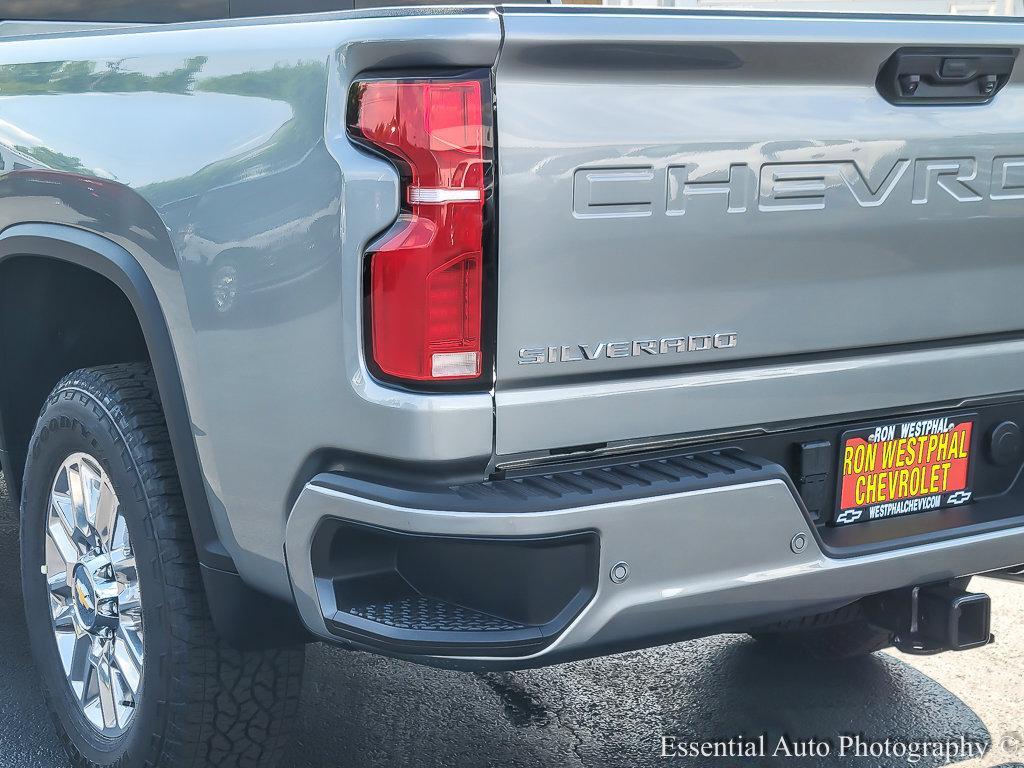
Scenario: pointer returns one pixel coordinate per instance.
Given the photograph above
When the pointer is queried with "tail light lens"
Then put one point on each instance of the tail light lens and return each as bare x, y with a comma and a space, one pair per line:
426, 274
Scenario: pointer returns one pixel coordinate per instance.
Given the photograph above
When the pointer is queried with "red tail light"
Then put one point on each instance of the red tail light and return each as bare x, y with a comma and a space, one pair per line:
426, 275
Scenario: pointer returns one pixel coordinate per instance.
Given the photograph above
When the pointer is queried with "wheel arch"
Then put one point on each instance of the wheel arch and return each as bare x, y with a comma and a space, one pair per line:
110, 261
244, 617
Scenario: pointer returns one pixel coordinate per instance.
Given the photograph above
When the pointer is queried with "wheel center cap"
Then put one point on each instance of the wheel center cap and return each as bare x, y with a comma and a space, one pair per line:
85, 598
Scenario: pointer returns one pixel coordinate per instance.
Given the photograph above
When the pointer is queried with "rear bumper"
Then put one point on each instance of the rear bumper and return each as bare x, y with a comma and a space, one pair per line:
708, 540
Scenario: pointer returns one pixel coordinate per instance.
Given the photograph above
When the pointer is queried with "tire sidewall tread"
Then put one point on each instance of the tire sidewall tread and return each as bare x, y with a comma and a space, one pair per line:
202, 702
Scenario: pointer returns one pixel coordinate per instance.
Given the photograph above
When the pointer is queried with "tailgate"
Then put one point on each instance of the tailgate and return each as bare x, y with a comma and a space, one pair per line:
690, 203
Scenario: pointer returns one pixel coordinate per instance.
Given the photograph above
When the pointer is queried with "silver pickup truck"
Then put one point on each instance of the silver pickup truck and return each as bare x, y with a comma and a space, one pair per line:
494, 337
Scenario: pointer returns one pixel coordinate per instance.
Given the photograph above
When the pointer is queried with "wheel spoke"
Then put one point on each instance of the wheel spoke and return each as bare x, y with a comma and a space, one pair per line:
106, 517
61, 503
128, 662
76, 490
123, 699
125, 569
80, 658
61, 555
57, 580
128, 655
99, 660
63, 614
63, 527
94, 711
76, 651
91, 486
130, 601
120, 541
87, 695
66, 642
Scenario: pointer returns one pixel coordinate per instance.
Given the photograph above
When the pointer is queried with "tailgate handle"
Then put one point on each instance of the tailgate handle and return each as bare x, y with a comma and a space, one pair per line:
945, 76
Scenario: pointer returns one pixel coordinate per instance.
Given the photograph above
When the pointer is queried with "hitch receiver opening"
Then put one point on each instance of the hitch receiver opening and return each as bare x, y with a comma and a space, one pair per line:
955, 620
934, 618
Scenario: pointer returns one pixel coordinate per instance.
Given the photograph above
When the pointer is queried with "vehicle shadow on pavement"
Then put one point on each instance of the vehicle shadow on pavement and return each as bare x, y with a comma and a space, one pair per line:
362, 710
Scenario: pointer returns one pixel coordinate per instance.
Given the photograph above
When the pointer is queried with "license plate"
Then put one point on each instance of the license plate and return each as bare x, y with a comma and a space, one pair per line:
904, 467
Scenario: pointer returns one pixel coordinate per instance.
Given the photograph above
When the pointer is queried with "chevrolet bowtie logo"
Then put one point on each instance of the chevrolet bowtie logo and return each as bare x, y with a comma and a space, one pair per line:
82, 594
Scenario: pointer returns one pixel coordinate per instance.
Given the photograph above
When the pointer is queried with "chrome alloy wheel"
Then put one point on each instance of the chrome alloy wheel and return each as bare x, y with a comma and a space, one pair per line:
95, 602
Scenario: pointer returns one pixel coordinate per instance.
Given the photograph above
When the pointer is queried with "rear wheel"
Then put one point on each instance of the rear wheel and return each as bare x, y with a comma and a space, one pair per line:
133, 671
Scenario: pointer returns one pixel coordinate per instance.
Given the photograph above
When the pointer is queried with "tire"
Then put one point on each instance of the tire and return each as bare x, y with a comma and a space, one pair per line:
839, 634
195, 701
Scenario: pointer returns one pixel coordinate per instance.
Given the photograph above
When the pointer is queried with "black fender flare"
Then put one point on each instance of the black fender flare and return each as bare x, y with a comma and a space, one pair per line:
244, 617
110, 260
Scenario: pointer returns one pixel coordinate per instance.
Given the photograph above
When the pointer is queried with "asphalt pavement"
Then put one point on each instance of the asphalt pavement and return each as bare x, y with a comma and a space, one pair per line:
360, 710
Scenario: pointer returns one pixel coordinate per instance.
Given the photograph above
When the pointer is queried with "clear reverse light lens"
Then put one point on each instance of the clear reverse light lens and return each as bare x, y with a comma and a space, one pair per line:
450, 364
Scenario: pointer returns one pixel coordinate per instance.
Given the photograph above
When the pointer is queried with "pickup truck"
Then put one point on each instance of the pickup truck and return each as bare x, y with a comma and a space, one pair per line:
493, 337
